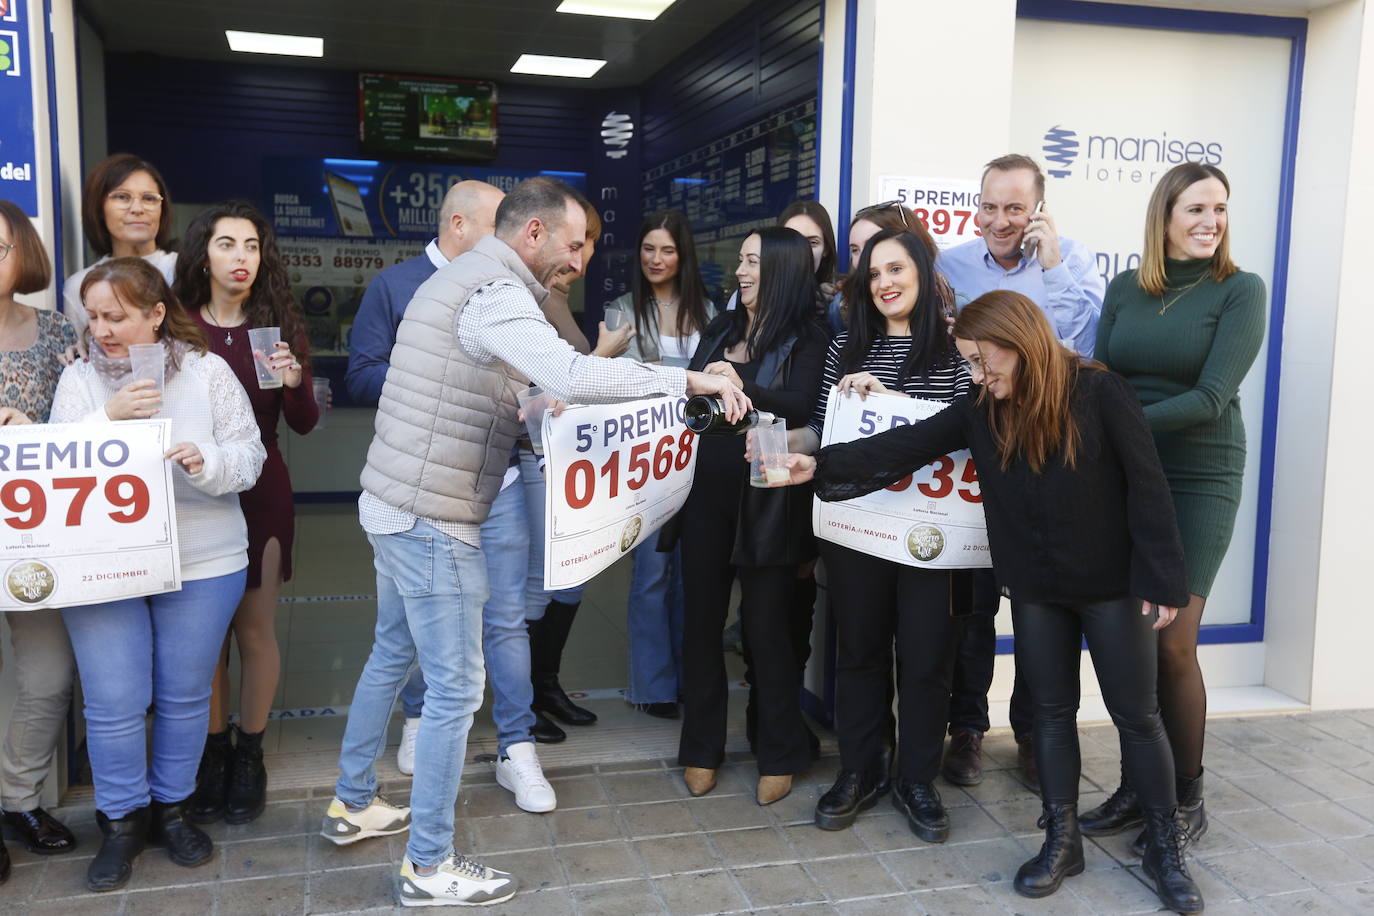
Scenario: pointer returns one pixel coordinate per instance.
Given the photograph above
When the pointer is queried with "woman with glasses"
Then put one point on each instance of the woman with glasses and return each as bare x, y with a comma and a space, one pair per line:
32, 342
1084, 540
126, 212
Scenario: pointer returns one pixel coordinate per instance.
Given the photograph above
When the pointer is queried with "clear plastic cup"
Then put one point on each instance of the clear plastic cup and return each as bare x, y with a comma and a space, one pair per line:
769, 466
148, 361
321, 386
534, 401
616, 319
263, 341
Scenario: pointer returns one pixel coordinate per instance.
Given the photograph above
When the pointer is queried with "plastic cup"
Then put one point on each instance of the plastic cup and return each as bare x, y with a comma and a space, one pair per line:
148, 361
534, 401
264, 343
616, 319
769, 467
321, 386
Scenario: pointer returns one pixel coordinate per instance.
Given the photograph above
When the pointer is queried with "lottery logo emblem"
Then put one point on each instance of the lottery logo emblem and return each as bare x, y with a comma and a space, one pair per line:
30, 581
631, 533
925, 542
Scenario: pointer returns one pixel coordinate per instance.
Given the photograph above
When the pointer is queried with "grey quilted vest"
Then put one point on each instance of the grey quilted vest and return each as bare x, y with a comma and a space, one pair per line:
446, 423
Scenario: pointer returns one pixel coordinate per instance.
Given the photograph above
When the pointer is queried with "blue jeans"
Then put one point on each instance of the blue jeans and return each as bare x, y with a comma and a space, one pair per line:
505, 641
536, 597
158, 651
430, 592
654, 615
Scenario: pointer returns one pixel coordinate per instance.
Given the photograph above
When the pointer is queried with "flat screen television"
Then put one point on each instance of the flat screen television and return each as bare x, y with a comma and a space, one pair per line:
430, 117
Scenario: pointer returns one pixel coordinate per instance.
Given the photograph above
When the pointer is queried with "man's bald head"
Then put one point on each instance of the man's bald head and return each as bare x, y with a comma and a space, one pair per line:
467, 214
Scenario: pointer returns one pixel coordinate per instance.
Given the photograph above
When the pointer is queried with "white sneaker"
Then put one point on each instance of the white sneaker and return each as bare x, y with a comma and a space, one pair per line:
405, 754
519, 771
459, 881
379, 818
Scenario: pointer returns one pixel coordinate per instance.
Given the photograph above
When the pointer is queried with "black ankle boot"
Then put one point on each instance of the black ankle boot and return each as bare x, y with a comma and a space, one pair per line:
1192, 816
925, 813
1119, 812
121, 841
548, 636
1163, 863
852, 792
1060, 857
247, 780
545, 732
186, 843
207, 803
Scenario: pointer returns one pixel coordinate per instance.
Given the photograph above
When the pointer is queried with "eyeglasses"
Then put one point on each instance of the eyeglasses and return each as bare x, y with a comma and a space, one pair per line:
124, 200
5, 249
874, 208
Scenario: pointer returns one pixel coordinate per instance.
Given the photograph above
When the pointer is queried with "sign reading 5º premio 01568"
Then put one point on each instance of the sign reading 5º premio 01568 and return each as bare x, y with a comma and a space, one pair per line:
86, 514
931, 518
616, 473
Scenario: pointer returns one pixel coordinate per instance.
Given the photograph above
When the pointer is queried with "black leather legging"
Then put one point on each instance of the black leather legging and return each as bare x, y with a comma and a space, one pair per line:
1122, 645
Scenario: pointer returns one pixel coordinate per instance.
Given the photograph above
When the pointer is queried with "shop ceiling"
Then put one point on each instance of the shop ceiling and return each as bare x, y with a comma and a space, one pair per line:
471, 38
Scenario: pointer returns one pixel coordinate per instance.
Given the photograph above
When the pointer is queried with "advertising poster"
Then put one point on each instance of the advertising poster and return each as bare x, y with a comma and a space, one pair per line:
86, 514
1104, 145
616, 473
932, 518
947, 207
18, 181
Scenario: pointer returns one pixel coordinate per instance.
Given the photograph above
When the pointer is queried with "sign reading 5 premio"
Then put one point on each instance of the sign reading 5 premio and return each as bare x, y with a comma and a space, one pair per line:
931, 518
86, 514
616, 473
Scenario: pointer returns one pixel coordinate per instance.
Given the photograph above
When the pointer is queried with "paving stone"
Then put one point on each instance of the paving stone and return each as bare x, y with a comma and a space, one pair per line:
1306, 903
258, 858
1223, 795
654, 785
534, 870
485, 801
1063, 901
1358, 897
595, 862
700, 893
1264, 827
353, 890
60, 877
1276, 789
852, 876
778, 885
676, 854
623, 898
1325, 865
1220, 759
324, 855
503, 834
1329, 820
811, 842
991, 861
543, 902
657, 819
1256, 873
24, 881
971, 823
928, 868
752, 846
1221, 839
1116, 890
90, 905
579, 792
267, 896
275, 820
959, 901
880, 906
584, 825
199, 898
997, 785
798, 807
154, 869
1240, 733
729, 812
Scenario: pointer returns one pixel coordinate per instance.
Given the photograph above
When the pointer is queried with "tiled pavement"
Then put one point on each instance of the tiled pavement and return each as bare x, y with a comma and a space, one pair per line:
1291, 800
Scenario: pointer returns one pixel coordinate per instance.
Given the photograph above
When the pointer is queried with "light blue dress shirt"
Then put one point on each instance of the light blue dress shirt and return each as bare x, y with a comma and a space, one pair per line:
1070, 293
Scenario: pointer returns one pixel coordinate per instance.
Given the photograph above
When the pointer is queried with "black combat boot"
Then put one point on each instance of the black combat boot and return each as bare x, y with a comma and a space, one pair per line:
1119, 812
168, 826
247, 780
1163, 862
208, 802
1060, 857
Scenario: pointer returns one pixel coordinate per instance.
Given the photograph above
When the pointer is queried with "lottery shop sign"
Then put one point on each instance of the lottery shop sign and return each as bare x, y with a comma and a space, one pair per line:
86, 514
616, 473
931, 518
947, 207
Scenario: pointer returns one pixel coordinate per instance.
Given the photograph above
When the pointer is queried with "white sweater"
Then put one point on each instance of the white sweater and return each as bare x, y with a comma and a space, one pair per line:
207, 406
164, 261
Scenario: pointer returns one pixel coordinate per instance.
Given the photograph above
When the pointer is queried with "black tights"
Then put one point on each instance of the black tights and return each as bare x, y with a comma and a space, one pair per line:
1123, 648
1182, 695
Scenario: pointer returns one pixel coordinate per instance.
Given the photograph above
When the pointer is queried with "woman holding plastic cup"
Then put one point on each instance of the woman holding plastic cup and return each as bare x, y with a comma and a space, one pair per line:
233, 280
897, 343
159, 651
774, 349
668, 308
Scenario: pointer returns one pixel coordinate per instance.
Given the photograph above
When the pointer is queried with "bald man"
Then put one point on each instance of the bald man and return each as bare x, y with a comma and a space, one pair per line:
468, 214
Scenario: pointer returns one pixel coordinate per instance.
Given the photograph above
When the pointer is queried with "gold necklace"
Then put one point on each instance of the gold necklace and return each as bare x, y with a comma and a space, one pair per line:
1185, 291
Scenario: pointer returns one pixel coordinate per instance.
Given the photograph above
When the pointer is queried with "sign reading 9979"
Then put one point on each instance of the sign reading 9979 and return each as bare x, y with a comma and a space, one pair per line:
932, 518
86, 514
616, 473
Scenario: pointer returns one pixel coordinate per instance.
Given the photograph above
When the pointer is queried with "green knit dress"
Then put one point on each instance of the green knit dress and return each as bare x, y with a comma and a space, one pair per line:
1186, 365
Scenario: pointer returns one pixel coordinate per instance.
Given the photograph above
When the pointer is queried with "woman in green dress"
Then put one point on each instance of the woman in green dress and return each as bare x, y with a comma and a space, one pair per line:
1184, 330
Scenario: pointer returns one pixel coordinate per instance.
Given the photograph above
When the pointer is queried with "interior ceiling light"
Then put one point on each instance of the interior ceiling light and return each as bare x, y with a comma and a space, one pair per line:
267, 43
543, 65
619, 9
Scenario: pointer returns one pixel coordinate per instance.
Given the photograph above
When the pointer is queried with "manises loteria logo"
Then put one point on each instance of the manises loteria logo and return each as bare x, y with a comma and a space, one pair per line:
1121, 160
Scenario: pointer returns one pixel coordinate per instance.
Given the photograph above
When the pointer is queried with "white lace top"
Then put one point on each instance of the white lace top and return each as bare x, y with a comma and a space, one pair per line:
207, 406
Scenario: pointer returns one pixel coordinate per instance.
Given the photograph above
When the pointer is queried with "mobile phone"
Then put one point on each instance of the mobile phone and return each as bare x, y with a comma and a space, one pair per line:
1028, 248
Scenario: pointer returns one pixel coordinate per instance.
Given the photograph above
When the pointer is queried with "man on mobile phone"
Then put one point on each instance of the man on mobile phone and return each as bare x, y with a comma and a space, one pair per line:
1021, 250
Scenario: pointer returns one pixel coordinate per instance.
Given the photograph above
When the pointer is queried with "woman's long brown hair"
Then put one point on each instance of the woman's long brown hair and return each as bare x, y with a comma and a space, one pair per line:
139, 284
1036, 422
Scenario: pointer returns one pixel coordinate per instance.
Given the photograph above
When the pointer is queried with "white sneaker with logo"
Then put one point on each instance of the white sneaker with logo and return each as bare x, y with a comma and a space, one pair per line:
379, 818
405, 754
458, 881
520, 772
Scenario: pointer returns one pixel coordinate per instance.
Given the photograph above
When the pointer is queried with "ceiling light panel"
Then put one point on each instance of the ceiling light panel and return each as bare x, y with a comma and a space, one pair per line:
267, 43
543, 65
618, 9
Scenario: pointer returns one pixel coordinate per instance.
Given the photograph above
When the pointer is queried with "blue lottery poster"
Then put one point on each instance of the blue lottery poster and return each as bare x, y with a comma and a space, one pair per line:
18, 177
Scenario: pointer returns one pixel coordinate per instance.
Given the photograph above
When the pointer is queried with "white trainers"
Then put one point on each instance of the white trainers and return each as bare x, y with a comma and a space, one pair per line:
519, 771
459, 881
405, 754
379, 818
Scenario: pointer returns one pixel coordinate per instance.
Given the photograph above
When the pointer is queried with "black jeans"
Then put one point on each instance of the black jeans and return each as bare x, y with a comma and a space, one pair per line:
876, 600
767, 607
973, 662
1123, 647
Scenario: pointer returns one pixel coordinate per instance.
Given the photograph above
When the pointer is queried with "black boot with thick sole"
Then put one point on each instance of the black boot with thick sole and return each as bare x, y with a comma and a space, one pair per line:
1121, 811
208, 802
1060, 857
1163, 863
186, 844
247, 780
121, 840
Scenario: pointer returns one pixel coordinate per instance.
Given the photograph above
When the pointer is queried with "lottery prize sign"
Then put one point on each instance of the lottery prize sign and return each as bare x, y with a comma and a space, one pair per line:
932, 518
947, 207
616, 473
86, 514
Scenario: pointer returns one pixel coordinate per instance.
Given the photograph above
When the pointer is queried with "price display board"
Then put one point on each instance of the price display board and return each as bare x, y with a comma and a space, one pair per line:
616, 473
86, 514
947, 207
931, 518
